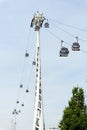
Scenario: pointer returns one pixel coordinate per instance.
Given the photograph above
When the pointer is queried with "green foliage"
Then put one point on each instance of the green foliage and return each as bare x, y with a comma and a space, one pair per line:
75, 116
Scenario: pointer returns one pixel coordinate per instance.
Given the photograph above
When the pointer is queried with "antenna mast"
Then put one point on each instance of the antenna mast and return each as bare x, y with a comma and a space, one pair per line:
39, 124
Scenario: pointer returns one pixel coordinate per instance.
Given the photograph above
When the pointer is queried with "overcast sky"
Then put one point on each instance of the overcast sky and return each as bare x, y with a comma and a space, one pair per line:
59, 75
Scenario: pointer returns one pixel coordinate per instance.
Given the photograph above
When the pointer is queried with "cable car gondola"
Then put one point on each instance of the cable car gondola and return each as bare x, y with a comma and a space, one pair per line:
17, 102
46, 25
22, 104
76, 46
64, 51
34, 62
14, 112
21, 85
26, 54
27, 90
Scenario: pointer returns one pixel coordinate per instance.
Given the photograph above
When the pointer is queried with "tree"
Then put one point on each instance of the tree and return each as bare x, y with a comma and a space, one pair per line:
75, 116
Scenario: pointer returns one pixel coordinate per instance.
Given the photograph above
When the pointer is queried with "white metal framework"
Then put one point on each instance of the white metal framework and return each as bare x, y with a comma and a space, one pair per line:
39, 124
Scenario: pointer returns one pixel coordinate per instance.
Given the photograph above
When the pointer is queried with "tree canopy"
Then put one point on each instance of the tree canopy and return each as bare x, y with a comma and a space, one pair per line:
75, 115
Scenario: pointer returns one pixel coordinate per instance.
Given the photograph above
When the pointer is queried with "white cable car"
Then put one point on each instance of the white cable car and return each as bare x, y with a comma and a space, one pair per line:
46, 25
17, 102
27, 90
26, 54
34, 62
21, 85
15, 112
22, 104
76, 46
64, 51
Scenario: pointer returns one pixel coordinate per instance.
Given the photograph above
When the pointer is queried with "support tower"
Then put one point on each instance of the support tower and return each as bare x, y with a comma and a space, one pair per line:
37, 22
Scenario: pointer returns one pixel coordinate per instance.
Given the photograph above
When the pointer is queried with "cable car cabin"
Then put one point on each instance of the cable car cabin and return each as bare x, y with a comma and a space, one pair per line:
21, 85
26, 54
64, 52
22, 105
75, 46
34, 62
46, 25
27, 90
17, 102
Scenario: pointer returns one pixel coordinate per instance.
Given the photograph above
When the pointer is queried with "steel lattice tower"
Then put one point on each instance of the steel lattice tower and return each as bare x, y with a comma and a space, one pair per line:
39, 124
